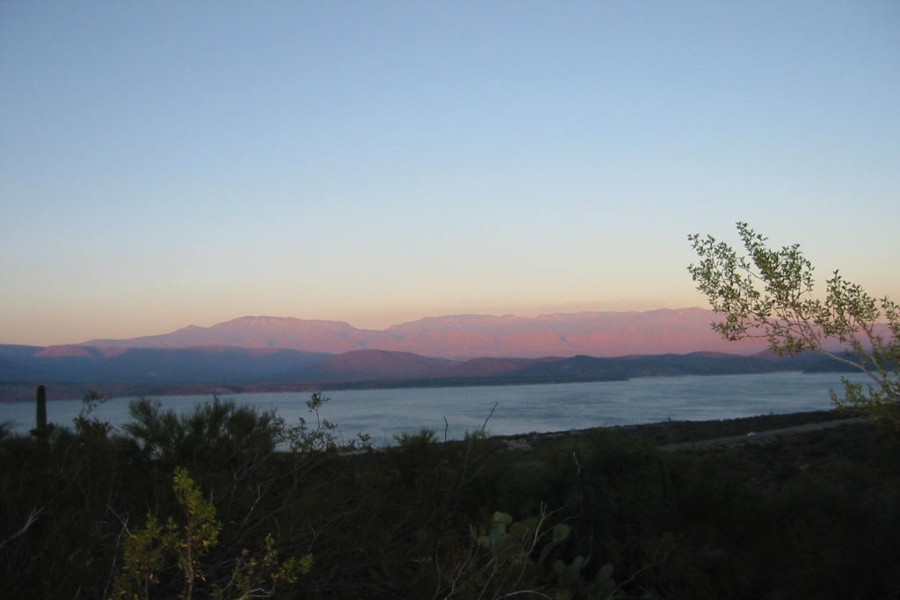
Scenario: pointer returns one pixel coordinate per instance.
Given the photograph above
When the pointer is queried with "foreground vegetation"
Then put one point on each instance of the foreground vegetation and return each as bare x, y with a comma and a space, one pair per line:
230, 503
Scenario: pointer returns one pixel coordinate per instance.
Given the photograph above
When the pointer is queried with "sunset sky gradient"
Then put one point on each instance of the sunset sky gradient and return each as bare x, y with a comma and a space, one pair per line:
173, 163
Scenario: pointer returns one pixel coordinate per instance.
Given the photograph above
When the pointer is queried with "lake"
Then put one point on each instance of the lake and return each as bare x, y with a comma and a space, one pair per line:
516, 408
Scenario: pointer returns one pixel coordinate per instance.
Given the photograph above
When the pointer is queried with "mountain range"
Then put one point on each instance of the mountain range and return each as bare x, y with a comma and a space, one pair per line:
461, 337
271, 353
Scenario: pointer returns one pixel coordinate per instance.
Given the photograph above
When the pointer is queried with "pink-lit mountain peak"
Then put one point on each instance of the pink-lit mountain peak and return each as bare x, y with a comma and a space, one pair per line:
468, 336
256, 332
464, 322
279, 323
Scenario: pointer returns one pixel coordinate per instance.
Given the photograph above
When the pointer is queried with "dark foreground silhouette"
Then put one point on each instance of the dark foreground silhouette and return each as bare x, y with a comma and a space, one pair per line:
283, 509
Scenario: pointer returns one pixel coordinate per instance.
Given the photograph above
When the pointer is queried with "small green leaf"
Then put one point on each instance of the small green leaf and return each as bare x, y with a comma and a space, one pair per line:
561, 532
605, 573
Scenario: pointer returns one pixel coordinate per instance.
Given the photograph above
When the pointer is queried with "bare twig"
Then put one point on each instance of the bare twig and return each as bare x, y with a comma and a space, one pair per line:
31, 520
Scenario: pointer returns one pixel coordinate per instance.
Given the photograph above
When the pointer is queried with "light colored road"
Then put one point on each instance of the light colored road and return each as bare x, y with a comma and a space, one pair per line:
759, 435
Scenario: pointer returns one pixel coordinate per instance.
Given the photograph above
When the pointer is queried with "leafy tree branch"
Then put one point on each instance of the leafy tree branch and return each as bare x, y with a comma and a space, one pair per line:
771, 294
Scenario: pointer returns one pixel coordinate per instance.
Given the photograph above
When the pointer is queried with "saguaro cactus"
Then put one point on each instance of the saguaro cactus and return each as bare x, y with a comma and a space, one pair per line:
41, 402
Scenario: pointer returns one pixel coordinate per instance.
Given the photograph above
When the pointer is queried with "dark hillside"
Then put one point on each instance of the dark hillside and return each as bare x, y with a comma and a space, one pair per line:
163, 366
161, 371
807, 515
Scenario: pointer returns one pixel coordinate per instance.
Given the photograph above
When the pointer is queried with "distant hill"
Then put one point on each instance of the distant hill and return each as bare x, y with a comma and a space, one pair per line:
15, 363
492, 371
256, 332
379, 365
223, 364
273, 353
468, 336
73, 370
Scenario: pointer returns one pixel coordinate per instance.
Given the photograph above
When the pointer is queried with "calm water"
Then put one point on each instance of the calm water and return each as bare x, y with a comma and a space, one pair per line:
519, 408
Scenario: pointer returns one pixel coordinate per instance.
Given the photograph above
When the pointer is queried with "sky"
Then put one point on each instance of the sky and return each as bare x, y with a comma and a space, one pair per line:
170, 163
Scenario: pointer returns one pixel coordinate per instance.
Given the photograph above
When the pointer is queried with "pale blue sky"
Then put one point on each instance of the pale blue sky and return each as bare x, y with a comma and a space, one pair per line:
168, 163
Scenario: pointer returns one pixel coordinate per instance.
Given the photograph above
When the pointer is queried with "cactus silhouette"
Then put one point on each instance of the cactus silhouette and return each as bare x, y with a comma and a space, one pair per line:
41, 418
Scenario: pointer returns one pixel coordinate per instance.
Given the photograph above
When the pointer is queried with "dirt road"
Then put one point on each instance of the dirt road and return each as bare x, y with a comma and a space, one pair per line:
760, 435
